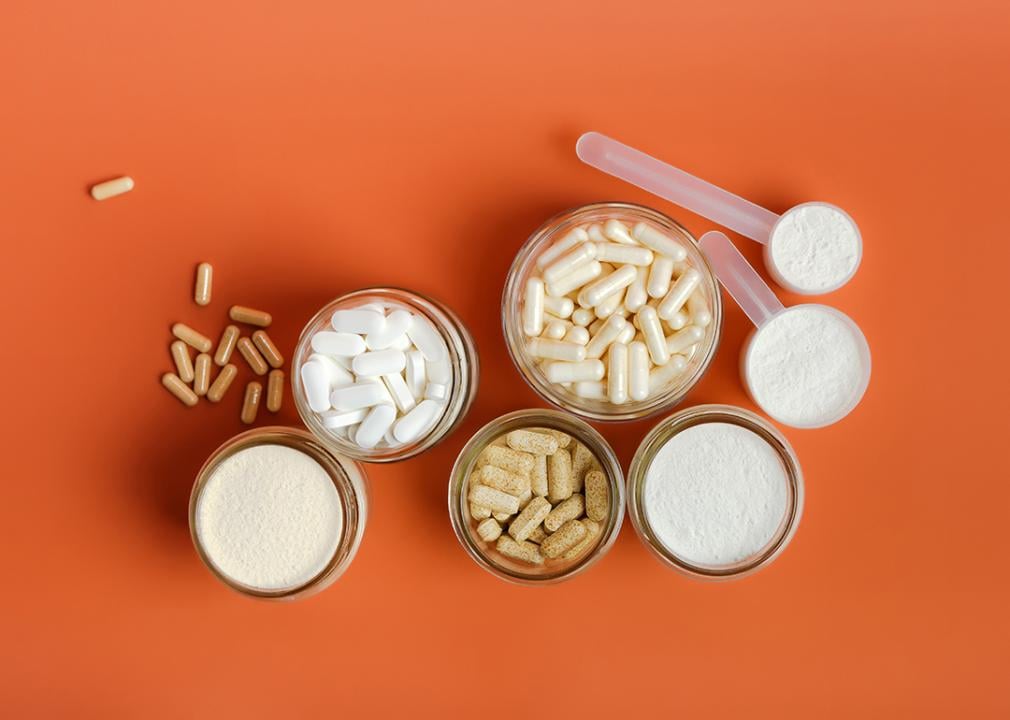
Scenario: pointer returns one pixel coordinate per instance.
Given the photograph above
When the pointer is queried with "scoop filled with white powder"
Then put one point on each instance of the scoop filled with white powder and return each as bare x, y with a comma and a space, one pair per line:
813, 248
268, 517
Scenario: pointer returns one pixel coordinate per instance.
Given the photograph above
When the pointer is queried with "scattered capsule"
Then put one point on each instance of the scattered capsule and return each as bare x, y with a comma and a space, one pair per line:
174, 384
251, 402
201, 374
183, 362
221, 383
252, 356
200, 343
226, 345
112, 188
267, 349
250, 316
204, 279
275, 390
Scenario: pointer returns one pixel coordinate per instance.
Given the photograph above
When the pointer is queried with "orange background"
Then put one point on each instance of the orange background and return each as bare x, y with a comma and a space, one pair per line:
308, 149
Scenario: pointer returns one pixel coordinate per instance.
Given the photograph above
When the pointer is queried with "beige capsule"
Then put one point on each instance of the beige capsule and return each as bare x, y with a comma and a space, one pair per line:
250, 316
538, 535
181, 390
267, 349
559, 476
563, 438
529, 519
112, 188
275, 390
597, 496
201, 375
506, 458
226, 345
582, 462
563, 539
251, 402
503, 480
525, 551
479, 512
191, 337
570, 509
502, 517
538, 477
489, 530
183, 363
592, 530
252, 356
498, 501
221, 383
204, 280
532, 442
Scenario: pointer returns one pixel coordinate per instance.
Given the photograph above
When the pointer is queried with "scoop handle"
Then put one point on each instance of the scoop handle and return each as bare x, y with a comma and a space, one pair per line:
675, 185
741, 281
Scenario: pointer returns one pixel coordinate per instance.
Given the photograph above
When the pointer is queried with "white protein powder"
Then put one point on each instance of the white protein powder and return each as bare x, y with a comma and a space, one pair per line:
715, 494
269, 517
815, 247
805, 367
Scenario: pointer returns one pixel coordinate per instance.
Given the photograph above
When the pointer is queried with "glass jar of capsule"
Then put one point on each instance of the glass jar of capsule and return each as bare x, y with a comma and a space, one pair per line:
540, 570
457, 376
791, 497
279, 526
687, 365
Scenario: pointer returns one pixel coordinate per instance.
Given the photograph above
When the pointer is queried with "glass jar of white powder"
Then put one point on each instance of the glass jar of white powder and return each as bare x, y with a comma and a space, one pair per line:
274, 515
715, 492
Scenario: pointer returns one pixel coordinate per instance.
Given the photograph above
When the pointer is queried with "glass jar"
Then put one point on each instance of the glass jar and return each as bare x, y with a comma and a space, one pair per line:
555, 570
462, 358
524, 266
352, 490
721, 414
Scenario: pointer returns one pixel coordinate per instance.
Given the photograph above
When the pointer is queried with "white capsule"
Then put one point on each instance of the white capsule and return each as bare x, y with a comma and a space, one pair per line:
360, 395
334, 419
591, 390
570, 261
533, 307
617, 373
575, 279
638, 371
599, 343
374, 426
683, 339
394, 327
555, 330
561, 246
413, 424
439, 372
338, 343
626, 335
652, 331
595, 233
678, 321
561, 372
679, 293
610, 305
556, 350
427, 339
561, 307
380, 362
655, 240
623, 254
663, 375
660, 275
618, 232
361, 321
582, 316
415, 373
112, 188
637, 296
607, 285
397, 387
578, 335
437, 392
697, 308
316, 382
338, 375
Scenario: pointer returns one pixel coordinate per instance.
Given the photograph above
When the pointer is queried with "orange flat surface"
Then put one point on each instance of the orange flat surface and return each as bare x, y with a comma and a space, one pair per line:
307, 149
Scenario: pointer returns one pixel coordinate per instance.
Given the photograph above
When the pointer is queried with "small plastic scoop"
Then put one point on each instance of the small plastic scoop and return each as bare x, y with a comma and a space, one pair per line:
807, 365
813, 248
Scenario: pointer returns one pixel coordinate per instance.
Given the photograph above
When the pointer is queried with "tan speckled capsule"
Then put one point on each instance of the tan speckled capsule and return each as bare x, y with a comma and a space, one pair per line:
174, 384
252, 356
267, 349
559, 476
489, 530
502, 517
191, 337
249, 316
251, 402
592, 530
532, 442
226, 345
204, 281
479, 512
538, 477
498, 501
529, 519
503, 480
582, 462
538, 535
563, 539
570, 509
506, 458
525, 551
183, 363
221, 383
563, 438
597, 496
275, 390
201, 375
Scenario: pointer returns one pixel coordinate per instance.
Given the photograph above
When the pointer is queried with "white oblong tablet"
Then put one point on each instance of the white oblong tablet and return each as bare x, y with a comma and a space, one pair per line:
361, 321
334, 419
410, 426
338, 343
397, 387
380, 362
316, 382
394, 327
360, 395
426, 339
415, 373
374, 426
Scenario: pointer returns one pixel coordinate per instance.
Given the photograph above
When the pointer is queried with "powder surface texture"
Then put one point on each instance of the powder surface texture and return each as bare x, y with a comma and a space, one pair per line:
269, 517
715, 494
805, 367
815, 247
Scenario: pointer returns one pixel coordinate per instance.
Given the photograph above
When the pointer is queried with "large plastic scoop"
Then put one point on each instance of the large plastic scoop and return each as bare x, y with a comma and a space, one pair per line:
807, 365
811, 249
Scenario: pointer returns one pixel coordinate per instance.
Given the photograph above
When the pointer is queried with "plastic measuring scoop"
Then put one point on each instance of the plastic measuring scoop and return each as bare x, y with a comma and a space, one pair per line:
811, 249
807, 365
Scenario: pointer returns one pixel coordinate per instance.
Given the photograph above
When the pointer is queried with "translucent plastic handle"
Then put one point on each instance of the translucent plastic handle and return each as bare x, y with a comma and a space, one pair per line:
741, 281
677, 186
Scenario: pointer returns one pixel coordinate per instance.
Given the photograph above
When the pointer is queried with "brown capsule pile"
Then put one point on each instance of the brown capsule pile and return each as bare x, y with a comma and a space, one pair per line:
538, 495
